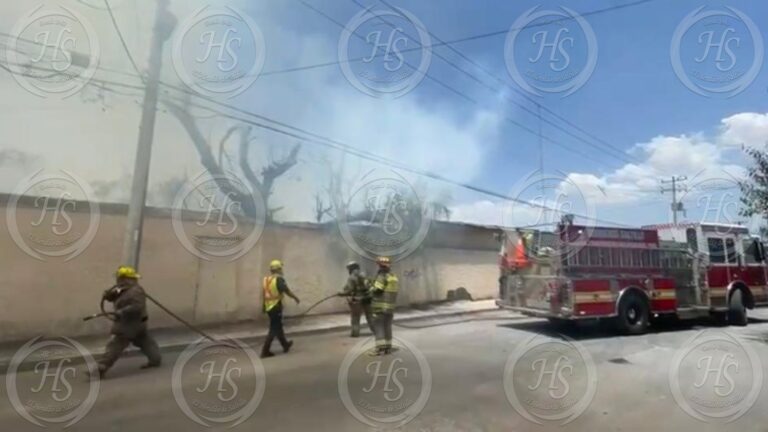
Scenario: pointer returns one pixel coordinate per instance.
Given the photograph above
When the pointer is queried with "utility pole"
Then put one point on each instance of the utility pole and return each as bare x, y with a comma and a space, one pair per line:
164, 24
676, 186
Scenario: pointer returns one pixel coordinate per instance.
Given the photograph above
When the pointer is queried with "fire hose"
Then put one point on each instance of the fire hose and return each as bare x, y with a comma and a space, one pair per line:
314, 305
112, 316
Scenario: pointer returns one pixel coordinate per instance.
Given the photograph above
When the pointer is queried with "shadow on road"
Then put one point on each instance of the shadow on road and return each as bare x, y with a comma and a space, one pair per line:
587, 330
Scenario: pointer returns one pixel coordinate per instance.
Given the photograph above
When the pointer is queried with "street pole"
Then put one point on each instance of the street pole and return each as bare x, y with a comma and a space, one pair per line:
675, 182
674, 200
164, 24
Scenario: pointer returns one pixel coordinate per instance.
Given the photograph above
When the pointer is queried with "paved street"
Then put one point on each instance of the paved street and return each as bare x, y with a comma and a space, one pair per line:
466, 359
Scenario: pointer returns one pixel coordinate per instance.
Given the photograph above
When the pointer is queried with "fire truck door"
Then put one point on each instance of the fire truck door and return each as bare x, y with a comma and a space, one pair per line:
753, 273
735, 261
722, 265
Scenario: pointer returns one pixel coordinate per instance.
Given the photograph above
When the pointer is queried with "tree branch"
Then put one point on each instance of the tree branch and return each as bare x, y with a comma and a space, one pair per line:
207, 159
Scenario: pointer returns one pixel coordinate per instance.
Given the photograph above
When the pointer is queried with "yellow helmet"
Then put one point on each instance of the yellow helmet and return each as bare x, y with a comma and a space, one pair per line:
127, 272
276, 265
383, 261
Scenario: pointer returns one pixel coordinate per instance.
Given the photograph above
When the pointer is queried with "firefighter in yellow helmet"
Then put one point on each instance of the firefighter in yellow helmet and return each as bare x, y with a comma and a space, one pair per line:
274, 288
130, 321
357, 292
384, 295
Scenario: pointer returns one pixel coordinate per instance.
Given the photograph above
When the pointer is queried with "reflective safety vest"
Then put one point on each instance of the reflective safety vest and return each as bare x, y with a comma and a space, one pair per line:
272, 295
385, 293
521, 257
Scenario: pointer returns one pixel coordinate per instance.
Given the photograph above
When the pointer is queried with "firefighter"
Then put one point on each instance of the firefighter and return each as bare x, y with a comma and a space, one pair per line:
130, 321
384, 297
357, 292
274, 288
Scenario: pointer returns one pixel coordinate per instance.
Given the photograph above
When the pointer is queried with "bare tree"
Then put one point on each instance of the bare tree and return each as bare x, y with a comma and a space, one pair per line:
262, 183
321, 209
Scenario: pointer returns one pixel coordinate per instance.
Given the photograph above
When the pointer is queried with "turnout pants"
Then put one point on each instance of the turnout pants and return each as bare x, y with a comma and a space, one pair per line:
383, 329
356, 310
119, 341
275, 330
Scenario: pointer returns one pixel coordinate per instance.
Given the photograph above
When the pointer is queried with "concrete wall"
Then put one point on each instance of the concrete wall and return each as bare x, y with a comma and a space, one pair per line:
50, 297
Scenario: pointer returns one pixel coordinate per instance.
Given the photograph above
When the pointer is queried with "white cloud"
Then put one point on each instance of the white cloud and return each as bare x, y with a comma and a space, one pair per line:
749, 129
704, 160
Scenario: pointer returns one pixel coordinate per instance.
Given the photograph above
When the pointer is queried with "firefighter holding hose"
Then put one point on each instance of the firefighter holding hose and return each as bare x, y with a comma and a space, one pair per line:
384, 293
357, 293
129, 321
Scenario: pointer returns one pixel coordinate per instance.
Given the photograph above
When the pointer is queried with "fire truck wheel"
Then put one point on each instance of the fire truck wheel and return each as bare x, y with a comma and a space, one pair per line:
737, 312
633, 315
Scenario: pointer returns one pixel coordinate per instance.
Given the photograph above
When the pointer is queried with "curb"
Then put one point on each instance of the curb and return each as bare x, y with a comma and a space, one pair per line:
249, 340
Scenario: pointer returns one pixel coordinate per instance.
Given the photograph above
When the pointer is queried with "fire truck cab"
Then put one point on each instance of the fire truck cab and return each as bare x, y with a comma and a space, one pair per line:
633, 275
728, 260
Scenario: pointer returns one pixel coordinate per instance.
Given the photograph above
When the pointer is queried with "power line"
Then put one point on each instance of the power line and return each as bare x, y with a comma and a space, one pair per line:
464, 39
303, 134
437, 81
623, 156
122, 40
603, 144
456, 91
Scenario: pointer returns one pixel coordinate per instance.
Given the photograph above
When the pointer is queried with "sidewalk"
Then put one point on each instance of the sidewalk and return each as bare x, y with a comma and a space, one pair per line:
251, 331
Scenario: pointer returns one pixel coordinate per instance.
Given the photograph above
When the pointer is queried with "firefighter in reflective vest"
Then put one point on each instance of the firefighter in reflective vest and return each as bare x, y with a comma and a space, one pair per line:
384, 297
274, 287
357, 292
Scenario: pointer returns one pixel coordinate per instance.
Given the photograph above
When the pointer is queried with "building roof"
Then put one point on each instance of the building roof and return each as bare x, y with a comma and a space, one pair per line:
706, 226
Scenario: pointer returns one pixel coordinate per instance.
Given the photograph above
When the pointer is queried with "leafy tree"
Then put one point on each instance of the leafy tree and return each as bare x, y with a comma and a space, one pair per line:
754, 189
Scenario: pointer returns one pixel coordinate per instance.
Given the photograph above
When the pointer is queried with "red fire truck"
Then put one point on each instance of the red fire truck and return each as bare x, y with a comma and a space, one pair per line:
632, 276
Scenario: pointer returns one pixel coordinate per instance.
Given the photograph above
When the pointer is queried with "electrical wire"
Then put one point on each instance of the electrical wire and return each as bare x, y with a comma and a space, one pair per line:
459, 92
602, 145
122, 40
520, 92
464, 39
623, 156
311, 137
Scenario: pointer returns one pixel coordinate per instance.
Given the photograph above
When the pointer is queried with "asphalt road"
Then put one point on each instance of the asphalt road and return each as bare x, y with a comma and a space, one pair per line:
485, 374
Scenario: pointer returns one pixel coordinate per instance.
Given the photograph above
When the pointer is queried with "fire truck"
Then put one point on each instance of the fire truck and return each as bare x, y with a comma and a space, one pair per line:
632, 276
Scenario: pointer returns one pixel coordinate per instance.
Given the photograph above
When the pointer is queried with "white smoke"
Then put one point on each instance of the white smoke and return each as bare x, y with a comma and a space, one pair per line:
96, 139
